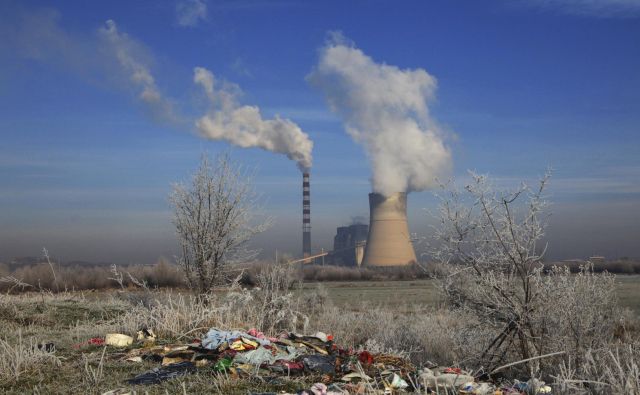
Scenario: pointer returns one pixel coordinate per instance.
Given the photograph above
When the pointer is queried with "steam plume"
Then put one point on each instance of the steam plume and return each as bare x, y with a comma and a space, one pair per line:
244, 126
128, 54
385, 109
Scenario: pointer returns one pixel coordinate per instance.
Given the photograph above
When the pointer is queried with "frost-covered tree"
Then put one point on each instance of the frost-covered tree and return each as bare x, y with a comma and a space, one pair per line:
491, 245
215, 217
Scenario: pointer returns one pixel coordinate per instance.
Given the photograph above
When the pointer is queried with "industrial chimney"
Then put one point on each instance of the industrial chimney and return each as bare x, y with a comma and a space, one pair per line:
306, 216
388, 243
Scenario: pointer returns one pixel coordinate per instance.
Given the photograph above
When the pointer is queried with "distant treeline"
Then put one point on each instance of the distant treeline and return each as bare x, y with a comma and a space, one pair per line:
60, 277
35, 276
619, 266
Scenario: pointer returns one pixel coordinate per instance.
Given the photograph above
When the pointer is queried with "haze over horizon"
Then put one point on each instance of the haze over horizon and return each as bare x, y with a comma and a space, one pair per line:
105, 105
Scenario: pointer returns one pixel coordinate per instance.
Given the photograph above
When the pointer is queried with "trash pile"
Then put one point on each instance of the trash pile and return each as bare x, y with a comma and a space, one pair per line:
335, 370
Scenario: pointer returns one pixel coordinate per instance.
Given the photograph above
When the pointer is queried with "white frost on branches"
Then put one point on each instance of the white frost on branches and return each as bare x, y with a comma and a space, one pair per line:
214, 219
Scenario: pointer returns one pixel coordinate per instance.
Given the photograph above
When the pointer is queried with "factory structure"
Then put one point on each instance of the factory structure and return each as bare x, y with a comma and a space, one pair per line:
348, 245
385, 241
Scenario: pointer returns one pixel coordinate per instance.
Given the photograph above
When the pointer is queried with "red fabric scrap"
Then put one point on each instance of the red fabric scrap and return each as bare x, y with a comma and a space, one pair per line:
94, 341
290, 364
256, 333
365, 357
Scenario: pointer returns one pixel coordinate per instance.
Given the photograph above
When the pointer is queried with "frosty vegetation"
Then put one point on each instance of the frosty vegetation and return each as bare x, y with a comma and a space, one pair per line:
214, 219
511, 308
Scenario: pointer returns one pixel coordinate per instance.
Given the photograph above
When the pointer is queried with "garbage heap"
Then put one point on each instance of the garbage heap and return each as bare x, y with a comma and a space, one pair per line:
337, 370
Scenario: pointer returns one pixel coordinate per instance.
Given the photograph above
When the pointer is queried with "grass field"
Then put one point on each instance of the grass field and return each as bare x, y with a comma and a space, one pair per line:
424, 292
69, 319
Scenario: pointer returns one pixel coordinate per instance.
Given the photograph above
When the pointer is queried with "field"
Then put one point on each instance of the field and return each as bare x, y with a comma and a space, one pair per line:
397, 316
403, 294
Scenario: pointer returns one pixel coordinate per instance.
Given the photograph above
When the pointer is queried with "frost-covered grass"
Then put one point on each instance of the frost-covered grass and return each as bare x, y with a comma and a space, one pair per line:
421, 332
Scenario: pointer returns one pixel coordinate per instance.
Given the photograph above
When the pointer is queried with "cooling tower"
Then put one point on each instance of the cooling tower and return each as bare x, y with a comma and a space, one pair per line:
388, 243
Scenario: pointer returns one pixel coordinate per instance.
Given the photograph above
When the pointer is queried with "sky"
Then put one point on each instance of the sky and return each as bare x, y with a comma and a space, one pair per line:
102, 110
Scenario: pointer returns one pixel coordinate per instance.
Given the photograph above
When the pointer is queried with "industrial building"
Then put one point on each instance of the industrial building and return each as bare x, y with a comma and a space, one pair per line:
348, 245
385, 242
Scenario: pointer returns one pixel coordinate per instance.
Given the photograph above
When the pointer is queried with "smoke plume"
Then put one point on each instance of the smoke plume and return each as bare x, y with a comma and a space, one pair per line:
243, 125
109, 56
385, 109
129, 55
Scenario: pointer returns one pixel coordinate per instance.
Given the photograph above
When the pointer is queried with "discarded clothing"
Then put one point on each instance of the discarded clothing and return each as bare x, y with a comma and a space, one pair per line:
158, 375
365, 357
215, 338
255, 357
325, 364
287, 368
447, 380
316, 389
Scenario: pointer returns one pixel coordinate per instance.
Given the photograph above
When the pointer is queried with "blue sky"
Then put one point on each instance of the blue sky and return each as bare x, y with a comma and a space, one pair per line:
86, 166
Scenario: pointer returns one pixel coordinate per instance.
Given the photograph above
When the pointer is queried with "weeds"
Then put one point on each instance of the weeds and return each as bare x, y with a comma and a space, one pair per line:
22, 357
427, 336
93, 377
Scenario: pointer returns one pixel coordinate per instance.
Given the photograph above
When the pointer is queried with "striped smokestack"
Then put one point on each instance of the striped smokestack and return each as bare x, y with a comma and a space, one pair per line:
306, 215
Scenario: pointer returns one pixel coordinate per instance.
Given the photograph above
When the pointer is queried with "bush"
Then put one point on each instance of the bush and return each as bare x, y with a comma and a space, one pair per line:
516, 310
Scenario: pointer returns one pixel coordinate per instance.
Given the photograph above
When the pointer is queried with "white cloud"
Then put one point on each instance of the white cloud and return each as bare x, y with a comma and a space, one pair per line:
190, 12
593, 8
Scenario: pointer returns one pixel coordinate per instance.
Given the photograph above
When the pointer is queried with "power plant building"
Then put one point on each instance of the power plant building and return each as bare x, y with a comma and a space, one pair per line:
386, 241
348, 245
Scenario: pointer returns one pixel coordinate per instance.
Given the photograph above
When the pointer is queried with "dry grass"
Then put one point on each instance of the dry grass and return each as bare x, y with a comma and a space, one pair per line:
23, 356
54, 277
426, 335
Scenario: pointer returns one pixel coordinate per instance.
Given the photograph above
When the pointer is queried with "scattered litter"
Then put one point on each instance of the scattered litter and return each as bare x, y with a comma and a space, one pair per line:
255, 357
319, 364
352, 376
398, 383
438, 379
340, 371
365, 357
118, 340
48, 347
533, 386
222, 365
94, 341
478, 389
216, 338
146, 335
158, 375
120, 391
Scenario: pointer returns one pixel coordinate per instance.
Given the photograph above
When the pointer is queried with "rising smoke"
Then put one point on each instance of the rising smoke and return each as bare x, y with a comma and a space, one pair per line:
128, 53
112, 55
243, 125
385, 109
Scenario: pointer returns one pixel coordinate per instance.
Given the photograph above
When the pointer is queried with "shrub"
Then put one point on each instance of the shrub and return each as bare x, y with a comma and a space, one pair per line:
490, 241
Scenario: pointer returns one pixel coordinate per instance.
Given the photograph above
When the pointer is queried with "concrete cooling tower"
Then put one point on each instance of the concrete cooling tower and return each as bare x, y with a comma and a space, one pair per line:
388, 243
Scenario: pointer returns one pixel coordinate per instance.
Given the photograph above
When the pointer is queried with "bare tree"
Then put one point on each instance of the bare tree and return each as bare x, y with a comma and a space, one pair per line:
491, 243
214, 216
